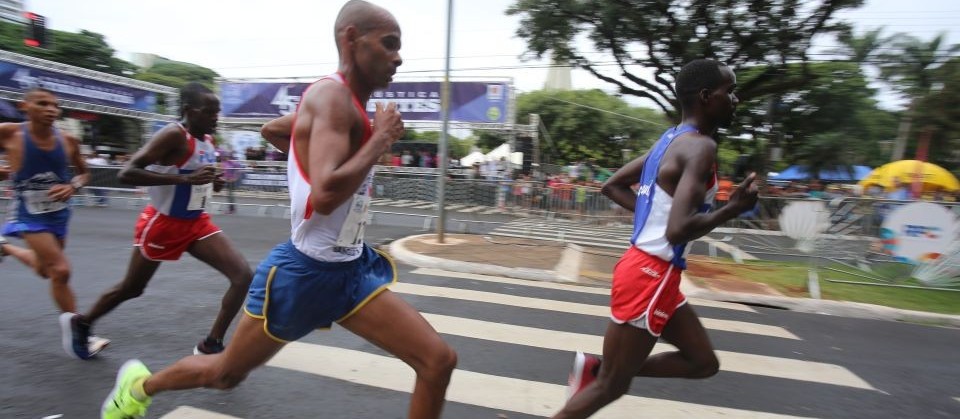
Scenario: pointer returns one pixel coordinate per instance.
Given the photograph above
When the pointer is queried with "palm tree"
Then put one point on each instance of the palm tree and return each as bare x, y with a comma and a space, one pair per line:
910, 70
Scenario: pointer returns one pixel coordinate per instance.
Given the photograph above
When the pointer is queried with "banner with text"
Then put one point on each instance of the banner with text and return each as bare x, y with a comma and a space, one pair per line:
418, 101
19, 78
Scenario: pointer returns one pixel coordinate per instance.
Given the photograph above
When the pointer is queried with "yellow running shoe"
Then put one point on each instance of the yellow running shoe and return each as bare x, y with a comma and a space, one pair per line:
121, 404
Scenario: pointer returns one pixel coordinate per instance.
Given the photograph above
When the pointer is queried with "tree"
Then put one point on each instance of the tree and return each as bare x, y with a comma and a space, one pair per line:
938, 115
85, 49
834, 122
662, 35
590, 125
911, 70
177, 74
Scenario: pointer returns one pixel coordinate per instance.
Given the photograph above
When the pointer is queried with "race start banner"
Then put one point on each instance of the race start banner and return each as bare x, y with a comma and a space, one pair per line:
482, 102
19, 78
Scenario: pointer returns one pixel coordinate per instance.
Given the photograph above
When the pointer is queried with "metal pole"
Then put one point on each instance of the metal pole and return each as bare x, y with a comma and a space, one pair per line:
442, 149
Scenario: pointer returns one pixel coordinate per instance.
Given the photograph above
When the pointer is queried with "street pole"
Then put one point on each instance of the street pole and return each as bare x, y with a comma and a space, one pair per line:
442, 149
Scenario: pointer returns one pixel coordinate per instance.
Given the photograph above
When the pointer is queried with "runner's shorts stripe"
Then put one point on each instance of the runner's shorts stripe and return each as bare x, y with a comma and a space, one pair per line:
296, 294
162, 237
646, 291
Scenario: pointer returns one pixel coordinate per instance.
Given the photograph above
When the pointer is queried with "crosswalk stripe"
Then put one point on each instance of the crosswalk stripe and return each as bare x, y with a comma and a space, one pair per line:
574, 308
187, 412
478, 389
455, 206
407, 204
381, 201
492, 211
565, 287
424, 206
472, 209
785, 368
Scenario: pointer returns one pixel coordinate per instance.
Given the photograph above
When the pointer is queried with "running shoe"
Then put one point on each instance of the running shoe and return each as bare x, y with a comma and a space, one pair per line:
208, 346
585, 368
75, 337
95, 344
121, 404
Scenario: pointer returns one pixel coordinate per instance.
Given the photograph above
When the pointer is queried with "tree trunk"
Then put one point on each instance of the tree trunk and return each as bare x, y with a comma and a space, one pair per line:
903, 132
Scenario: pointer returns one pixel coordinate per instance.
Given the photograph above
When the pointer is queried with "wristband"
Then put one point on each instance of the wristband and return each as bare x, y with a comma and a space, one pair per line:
76, 186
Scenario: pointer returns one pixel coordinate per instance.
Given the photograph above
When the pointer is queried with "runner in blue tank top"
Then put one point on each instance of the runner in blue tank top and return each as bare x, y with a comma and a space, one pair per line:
677, 182
39, 156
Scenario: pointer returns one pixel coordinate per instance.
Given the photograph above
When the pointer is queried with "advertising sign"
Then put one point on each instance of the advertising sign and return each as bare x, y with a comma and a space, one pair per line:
918, 232
18, 78
418, 101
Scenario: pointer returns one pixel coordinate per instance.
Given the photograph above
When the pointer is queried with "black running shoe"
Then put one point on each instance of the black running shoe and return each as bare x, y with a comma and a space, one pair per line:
76, 335
209, 346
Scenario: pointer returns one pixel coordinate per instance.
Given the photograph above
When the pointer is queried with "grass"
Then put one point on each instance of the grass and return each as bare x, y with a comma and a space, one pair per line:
791, 280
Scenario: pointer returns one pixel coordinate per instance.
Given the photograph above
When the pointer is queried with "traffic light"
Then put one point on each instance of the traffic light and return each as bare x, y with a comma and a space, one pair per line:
36, 35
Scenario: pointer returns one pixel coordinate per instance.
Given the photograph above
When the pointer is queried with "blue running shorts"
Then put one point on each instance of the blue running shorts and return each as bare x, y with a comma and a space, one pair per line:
296, 294
17, 228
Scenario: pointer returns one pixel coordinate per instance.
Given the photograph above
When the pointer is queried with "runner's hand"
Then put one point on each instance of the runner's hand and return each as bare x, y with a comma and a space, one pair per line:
202, 176
387, 125
744, 198
61, 192
218, 182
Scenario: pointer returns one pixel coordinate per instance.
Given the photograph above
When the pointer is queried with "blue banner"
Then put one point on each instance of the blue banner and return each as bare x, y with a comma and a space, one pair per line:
19, 78
418, 101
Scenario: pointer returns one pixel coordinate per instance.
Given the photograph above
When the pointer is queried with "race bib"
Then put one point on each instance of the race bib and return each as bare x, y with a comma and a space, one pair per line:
199, 197
351, 234
40, 202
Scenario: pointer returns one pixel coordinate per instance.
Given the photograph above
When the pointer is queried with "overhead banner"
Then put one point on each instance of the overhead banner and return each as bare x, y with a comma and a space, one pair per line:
19, 78
418, 101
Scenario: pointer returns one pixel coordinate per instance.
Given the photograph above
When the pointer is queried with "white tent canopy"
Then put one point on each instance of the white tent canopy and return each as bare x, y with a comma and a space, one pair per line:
472, 158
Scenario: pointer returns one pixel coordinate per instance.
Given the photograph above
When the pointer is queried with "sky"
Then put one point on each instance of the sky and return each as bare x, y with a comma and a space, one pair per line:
294, 38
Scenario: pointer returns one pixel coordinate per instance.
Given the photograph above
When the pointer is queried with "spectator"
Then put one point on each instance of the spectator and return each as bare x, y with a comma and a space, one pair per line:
899, 192
97, 165
724, 187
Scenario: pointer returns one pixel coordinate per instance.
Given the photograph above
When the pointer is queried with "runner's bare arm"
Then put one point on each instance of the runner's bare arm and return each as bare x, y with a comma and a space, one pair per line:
617, 188
160, 150
686, 223
277, 132
81, 177
328, 117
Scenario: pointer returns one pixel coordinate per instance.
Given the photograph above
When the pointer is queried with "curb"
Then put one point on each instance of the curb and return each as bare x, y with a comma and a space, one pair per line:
400, 252
804, 305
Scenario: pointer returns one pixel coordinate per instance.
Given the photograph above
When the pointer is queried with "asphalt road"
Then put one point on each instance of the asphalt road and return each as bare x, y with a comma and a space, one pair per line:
514, 339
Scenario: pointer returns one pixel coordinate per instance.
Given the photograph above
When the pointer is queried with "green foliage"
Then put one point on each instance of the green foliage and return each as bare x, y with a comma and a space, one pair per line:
85, 49
177, 74
581, 127
832, 122
456, 147
661, 35
938, 115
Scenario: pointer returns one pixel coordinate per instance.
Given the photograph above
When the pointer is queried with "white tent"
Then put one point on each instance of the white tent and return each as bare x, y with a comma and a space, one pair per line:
503, 150
472, 158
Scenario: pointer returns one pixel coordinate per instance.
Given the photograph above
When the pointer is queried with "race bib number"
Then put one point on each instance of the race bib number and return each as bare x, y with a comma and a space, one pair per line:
351, 234
40, 202
199, 197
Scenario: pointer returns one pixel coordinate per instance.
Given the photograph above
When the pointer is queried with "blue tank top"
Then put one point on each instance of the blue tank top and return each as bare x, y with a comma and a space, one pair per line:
39, 171
652, 211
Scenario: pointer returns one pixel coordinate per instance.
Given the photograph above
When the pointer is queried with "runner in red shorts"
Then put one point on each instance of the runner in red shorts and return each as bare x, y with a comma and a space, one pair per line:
677, 185
177, 167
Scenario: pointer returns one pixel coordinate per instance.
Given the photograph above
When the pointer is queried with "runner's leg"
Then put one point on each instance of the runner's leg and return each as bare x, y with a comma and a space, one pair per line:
218, 252
625, 348
694, 358
52, 263
390, 323
139, 272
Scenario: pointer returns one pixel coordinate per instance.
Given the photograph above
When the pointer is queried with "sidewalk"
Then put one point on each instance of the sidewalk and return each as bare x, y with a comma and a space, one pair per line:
568, 263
